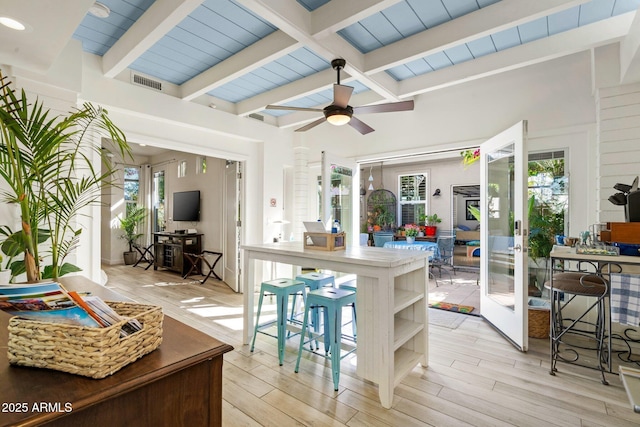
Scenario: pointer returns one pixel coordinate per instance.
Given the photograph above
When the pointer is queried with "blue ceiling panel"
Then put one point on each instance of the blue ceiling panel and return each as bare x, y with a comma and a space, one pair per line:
485, 3
623, 6
101, 34
438, 60
431, 12
402, 72
482, 46
458, 54
301, 63
564, 20
359, 37
596, 11
312, 5
506, 38
213, 32
533, 30
404, 19
458, 8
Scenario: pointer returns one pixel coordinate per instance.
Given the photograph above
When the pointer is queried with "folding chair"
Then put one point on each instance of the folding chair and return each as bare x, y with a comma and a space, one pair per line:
196, 261
146, 255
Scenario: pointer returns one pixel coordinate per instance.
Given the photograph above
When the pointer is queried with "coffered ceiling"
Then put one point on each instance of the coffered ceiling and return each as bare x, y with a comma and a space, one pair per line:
241, 55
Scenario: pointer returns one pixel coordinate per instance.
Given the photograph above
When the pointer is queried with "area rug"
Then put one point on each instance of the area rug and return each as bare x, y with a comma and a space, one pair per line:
446, 319
456, 308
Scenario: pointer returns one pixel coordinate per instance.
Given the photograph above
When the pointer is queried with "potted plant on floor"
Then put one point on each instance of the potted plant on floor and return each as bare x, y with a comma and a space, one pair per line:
130, 224
47, 163
432, 225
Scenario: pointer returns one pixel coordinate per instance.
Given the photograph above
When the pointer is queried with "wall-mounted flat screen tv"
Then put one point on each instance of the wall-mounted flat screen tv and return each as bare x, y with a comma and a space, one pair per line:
186, 206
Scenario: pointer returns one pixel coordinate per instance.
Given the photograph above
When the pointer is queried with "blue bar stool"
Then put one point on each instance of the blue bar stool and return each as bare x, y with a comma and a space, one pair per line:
332, 300
282, 289
314, 281
351, 285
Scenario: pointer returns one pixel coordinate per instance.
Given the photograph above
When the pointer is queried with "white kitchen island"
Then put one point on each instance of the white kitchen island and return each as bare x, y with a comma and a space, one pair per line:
391, 302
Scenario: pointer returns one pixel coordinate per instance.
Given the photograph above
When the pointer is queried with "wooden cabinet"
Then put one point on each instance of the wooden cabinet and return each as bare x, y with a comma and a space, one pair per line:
179, 384
170, 249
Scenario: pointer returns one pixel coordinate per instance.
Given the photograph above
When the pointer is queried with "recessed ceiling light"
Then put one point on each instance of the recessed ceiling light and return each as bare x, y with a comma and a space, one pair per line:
12, 23
142, 145
99, 10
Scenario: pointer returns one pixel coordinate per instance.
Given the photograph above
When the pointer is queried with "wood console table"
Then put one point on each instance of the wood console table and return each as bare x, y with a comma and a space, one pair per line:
178, 384
170, 249
391, 300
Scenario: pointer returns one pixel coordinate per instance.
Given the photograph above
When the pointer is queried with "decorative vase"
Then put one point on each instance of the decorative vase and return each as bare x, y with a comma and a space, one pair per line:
411, 240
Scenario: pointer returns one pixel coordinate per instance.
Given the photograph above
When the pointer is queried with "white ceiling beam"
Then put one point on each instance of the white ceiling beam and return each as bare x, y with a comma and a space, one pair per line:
290, 17
260, 53
290, 91
630, 53
157, 21
562, 44
483, 22
336, 15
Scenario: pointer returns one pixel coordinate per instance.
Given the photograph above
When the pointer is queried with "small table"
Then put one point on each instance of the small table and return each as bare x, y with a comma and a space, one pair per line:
415, 246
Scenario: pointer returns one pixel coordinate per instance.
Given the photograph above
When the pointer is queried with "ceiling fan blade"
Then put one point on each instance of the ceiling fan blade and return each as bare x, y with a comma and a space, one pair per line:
311, 125
284, 107
384, 108
341, 95
360, 126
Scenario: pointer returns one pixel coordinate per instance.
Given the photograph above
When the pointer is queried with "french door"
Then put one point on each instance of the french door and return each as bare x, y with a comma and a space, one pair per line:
503, 233
340, 194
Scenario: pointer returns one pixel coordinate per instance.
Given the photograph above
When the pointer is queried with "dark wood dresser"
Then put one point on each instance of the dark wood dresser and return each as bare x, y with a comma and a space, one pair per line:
179, 384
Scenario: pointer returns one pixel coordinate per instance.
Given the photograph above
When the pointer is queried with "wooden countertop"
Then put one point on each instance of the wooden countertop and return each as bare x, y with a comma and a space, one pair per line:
182, 346
361, 255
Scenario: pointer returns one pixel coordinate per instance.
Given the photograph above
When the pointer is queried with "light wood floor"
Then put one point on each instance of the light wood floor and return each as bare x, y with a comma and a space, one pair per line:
474, 376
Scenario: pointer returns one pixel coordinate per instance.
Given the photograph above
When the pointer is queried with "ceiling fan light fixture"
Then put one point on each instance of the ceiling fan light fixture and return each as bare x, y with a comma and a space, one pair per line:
338, 119
338, 116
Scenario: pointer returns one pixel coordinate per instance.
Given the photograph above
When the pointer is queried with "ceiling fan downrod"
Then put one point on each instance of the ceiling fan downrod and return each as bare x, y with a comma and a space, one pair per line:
338, 64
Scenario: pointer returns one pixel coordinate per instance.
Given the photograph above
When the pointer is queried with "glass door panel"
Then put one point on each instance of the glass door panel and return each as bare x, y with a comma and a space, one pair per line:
503, 233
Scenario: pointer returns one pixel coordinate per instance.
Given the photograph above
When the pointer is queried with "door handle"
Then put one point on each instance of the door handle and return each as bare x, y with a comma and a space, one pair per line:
517, 248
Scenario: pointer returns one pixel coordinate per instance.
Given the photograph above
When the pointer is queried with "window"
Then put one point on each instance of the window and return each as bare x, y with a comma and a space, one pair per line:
412, 203
201, 165
182, 168
131, 188
159, 222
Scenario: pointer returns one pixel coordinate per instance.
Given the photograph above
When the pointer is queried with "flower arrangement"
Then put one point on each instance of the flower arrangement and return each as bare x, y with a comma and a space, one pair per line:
411, 230
469, 157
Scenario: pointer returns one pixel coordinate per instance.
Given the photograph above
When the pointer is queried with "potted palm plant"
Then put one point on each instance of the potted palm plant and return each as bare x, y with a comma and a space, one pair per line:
130, 224
47, 163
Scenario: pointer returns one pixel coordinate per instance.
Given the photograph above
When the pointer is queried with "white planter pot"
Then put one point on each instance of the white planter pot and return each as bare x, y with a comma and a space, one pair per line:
5, 276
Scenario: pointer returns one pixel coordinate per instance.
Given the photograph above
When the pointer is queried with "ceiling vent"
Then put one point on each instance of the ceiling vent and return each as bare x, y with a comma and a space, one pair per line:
141, 80
257, 116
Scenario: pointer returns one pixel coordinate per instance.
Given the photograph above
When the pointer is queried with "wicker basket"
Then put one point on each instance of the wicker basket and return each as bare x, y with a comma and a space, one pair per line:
86, 351
539, 322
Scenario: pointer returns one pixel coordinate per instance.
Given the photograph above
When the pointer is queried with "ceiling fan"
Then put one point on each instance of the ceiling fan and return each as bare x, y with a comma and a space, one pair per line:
339, 113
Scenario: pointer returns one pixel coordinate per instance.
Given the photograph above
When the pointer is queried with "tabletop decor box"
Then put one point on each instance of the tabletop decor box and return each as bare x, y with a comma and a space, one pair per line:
81, 350
325, 241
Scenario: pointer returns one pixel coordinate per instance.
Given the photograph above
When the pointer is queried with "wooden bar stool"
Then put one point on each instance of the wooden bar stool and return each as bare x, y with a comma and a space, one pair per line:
332, 300
568, 336
282, 289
